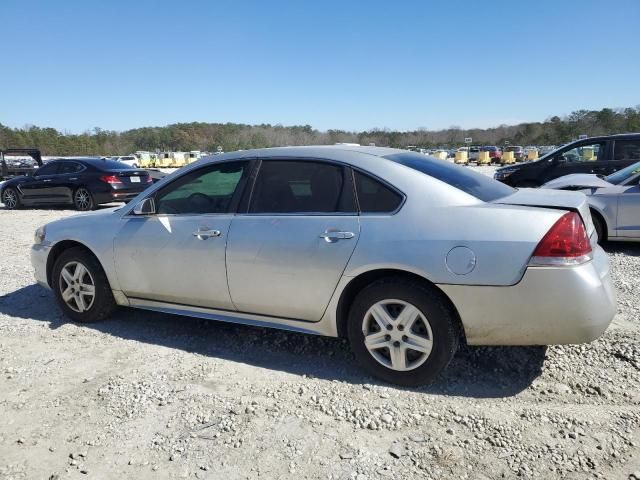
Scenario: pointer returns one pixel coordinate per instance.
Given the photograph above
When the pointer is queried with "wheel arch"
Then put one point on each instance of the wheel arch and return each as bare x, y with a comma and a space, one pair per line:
358, 283
61, 247
596, 213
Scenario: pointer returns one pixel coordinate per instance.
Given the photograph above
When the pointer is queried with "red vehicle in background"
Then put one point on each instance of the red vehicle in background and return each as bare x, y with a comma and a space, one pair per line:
495, 154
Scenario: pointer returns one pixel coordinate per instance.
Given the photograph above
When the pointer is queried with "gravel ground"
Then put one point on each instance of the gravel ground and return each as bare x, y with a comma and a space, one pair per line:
148, 395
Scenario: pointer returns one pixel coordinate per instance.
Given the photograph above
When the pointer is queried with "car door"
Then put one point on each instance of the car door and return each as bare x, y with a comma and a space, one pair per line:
628, 220
66, 180
41, 188
585, 157
177, 254
286, 254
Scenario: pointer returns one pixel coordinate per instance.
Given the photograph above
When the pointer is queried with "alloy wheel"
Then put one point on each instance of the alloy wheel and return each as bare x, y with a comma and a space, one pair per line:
83, 199
397, 335
10, 199
77, 287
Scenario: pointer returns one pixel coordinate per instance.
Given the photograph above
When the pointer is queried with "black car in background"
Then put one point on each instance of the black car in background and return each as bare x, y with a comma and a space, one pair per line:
84, 183
599, 155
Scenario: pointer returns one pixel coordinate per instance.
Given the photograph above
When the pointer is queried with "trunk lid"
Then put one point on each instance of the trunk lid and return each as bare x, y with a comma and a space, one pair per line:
547, 198
586, 180
131, 177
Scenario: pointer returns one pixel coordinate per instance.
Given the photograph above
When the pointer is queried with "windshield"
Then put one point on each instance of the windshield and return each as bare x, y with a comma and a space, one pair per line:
619, 177
476, 184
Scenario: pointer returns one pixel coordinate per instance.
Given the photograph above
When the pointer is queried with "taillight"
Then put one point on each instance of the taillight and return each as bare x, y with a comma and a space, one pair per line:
566, 243
110, 179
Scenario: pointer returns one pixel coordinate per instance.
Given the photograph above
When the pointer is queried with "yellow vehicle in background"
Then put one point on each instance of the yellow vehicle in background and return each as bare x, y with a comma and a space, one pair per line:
193, 156
483, 158
508, 158
462, 156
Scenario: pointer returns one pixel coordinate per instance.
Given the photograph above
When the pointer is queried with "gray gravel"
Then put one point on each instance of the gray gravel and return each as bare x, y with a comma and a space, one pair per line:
147, 395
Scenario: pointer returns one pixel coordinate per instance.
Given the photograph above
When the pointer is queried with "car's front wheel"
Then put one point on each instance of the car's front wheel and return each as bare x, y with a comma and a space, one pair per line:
83, 200
10, 198
81, 286
402, 331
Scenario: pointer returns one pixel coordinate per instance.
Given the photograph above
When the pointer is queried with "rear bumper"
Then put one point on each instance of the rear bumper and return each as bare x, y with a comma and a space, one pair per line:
39, 255
116, 196
550, 305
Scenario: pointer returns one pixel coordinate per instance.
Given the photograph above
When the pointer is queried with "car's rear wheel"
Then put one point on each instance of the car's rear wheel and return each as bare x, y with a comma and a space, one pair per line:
83, 200
402, 331
81, 286
11, 199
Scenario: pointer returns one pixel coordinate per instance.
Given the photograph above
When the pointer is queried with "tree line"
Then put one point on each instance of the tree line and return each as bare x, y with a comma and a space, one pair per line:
233, 136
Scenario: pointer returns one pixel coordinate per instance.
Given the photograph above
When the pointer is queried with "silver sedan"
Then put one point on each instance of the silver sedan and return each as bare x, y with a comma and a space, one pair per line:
403, 254
614, 201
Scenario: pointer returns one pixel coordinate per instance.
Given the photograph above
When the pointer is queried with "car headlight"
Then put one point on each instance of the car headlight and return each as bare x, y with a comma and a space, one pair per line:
503, 174
40, 234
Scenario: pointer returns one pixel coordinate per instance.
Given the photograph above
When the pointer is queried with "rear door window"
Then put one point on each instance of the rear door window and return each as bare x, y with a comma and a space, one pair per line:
69, 167
301, 186
626, 150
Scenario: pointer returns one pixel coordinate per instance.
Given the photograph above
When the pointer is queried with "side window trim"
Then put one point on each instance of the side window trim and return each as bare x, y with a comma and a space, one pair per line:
348, 182
235, 199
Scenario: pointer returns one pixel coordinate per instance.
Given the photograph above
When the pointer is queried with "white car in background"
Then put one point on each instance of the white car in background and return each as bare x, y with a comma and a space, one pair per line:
130, 160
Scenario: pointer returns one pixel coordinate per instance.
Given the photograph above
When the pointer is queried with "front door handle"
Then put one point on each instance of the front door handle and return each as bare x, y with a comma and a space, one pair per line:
47, 180
203, 233
331, 237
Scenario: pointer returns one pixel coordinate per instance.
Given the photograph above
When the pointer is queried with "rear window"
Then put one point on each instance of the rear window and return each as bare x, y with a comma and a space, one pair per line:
110, 165
480, 186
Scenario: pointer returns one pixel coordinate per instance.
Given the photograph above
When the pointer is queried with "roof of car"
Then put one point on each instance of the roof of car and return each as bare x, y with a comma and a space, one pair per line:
93, 161
634, 136
330, 152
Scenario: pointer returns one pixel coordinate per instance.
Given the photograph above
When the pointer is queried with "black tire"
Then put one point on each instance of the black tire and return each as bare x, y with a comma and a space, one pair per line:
11, 199
431, 304
83, 200
600, 228
103, 303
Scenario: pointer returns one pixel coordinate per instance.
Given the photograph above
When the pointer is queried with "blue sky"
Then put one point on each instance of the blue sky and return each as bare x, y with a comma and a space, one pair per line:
78, 64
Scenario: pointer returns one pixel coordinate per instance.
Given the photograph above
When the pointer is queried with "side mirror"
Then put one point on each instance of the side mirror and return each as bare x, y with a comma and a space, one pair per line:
561, 159
145, 207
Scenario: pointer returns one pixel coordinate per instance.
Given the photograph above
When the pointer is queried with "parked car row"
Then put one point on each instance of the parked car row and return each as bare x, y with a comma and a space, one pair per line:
401, 253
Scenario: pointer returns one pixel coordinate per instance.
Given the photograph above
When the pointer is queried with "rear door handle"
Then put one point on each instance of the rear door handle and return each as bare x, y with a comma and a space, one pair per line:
205, 233
331, 237
47, 180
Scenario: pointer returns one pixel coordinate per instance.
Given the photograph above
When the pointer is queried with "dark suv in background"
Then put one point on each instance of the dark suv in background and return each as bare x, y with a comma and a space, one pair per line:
598, 155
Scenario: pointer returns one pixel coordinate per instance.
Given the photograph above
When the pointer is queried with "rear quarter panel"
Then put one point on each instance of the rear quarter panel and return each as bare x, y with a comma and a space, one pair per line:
419, 237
